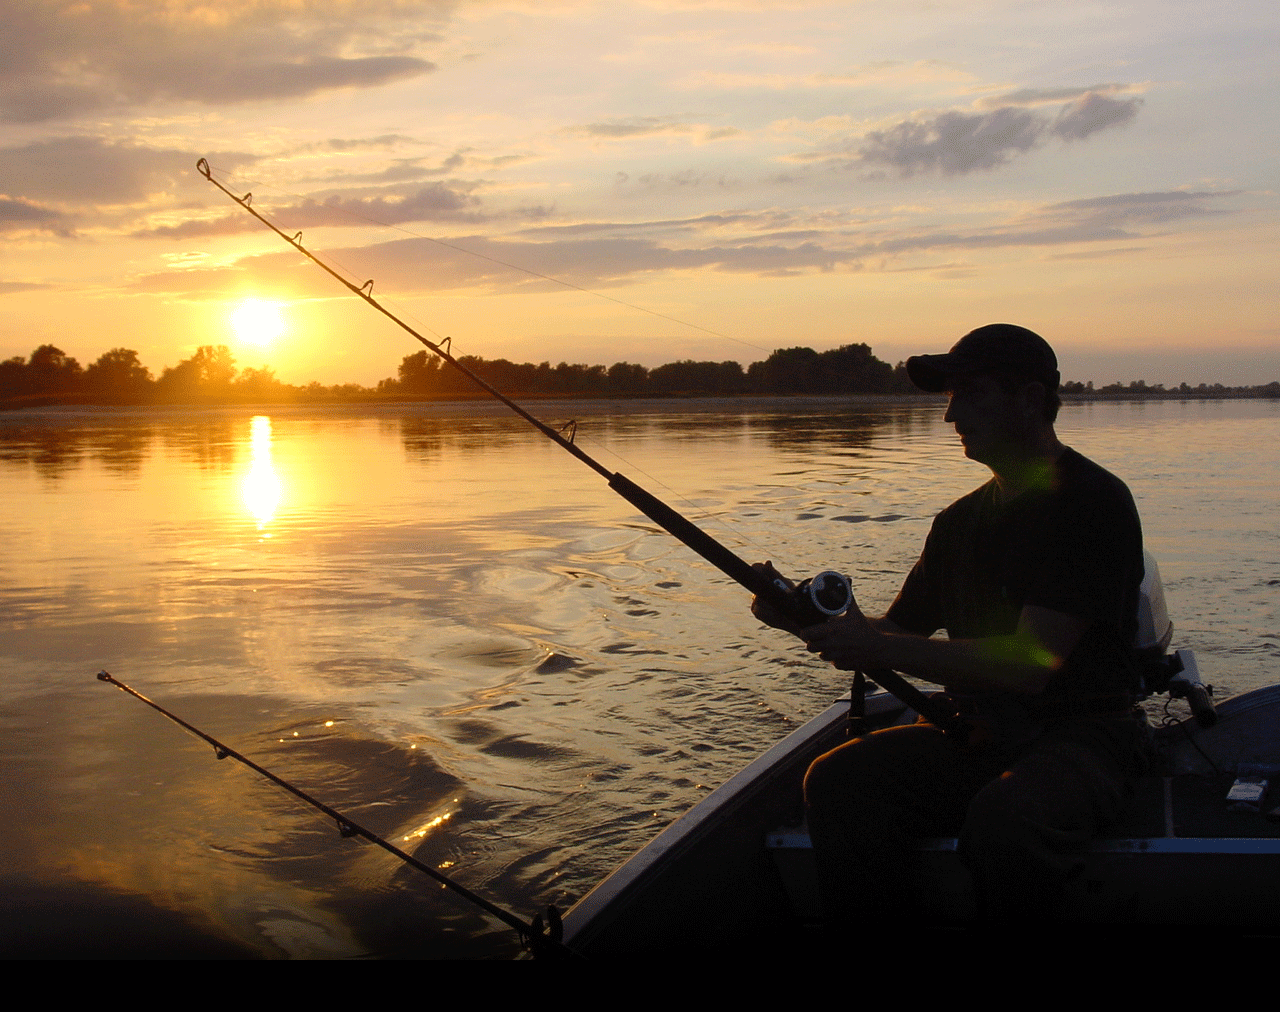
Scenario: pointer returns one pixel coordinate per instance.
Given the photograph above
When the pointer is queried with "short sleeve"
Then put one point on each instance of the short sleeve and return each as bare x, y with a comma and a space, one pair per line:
1088, 558
918, 606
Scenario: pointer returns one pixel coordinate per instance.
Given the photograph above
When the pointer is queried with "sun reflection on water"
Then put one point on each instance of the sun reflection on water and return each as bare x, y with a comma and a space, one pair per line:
261, 488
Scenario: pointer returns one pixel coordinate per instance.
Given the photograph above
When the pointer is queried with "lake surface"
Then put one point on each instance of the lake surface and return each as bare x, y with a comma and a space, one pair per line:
440, 623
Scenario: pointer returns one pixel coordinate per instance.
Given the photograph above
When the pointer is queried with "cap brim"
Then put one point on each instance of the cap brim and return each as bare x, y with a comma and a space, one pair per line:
932, 372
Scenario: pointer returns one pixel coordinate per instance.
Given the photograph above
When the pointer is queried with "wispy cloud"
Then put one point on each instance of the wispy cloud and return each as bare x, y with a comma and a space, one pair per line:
1091, 113
952, 143
739, 244
68, 57
23, 216
878, 73
1119, 217
955, 142
88, 171
12, 287
650, 126
435, 202
1142, 208
1051, 96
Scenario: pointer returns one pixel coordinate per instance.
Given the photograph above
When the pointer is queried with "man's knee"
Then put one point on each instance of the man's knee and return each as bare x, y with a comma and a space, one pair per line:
886, 763
1026, 831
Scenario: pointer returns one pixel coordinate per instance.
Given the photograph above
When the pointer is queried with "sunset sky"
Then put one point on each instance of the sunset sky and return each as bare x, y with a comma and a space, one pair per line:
753, 175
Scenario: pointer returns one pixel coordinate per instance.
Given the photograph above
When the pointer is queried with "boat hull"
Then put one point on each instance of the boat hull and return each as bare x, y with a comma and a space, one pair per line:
736, 871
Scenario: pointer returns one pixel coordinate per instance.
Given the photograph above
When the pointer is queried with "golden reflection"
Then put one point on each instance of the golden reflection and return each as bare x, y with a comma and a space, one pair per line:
433, 823
261, 485
423, 830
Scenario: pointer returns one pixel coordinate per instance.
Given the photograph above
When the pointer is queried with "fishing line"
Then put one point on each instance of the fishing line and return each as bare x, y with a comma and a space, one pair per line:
515, 267
534, 936
700, 511
808, 603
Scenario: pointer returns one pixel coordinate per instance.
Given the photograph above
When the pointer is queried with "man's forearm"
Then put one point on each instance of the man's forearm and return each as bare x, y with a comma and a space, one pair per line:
1015, 663
1020, 662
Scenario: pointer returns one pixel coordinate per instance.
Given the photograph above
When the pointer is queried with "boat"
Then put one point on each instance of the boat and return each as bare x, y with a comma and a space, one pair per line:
736, 873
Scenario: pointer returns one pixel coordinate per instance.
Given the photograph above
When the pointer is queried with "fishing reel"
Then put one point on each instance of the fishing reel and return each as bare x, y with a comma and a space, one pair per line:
819, 598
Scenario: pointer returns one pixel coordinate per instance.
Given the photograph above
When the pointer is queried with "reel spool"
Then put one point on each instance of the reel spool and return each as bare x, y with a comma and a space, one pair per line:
821, 597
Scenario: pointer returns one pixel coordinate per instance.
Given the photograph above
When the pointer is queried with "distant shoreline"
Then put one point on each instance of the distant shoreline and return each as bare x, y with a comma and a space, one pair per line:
210, 378
35, 401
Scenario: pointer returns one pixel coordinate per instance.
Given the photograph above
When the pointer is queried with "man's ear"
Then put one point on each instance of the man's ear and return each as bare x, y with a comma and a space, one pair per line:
1031, 399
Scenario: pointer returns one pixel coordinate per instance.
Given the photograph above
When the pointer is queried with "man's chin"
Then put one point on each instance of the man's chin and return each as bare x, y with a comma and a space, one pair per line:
983, 455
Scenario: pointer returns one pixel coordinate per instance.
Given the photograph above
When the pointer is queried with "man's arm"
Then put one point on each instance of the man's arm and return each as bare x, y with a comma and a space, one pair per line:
1022, 662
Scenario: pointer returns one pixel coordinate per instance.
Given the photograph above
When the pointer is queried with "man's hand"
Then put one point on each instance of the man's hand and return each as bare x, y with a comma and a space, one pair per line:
849, 642
766, 612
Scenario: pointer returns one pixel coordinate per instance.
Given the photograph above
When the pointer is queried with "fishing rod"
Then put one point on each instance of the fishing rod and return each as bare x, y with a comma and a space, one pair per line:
534, 936
809, 602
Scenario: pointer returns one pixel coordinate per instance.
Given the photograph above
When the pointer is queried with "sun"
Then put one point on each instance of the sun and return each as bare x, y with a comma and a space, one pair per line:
257, 322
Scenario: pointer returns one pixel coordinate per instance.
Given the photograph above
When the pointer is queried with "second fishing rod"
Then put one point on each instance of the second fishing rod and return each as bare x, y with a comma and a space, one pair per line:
807, 603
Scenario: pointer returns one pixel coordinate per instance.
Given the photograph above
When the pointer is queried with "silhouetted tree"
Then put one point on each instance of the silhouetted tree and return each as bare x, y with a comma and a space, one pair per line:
51, 371
853, 369
206, 375
690, 377
625, 378
118, 377
13, 377
258, 385
419, 373
786, 371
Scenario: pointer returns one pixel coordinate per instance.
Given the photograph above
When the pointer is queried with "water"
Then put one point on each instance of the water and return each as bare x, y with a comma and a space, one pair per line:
440, 623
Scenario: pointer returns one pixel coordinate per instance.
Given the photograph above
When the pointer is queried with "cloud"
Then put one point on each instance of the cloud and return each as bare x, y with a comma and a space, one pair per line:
880, 72
21, 215
435, 202
358, 143
91, 171
1119, 217
957, 142
654, 181
953, 143
650, 126
1091, 113
1141, 208
402, 170
419, 264
770, 219
741, 245
634, 126
1050, 96
12, 287
65, 58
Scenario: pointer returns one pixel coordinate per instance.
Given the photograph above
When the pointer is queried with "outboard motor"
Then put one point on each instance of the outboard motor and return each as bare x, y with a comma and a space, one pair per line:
1154, 628
1177, 673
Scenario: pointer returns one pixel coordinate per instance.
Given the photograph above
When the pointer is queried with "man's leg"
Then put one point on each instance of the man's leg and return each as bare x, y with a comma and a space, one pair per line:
867, 802
1026, 831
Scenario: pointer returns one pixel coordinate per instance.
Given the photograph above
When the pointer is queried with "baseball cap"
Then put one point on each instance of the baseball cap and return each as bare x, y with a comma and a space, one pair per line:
997, 347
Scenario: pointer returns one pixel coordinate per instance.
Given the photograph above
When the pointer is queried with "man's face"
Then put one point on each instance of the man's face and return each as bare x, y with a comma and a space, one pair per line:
989, 420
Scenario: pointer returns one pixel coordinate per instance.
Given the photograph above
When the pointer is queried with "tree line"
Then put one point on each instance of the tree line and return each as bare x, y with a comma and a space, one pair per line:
210, 376
118, 377
1139, 389
850, 369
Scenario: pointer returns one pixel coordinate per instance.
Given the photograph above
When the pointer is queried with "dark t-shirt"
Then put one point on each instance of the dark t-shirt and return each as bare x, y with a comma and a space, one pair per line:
1073, 546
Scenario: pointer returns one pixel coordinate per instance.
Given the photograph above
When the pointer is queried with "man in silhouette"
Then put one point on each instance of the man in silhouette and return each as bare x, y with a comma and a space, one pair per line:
1034, 577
